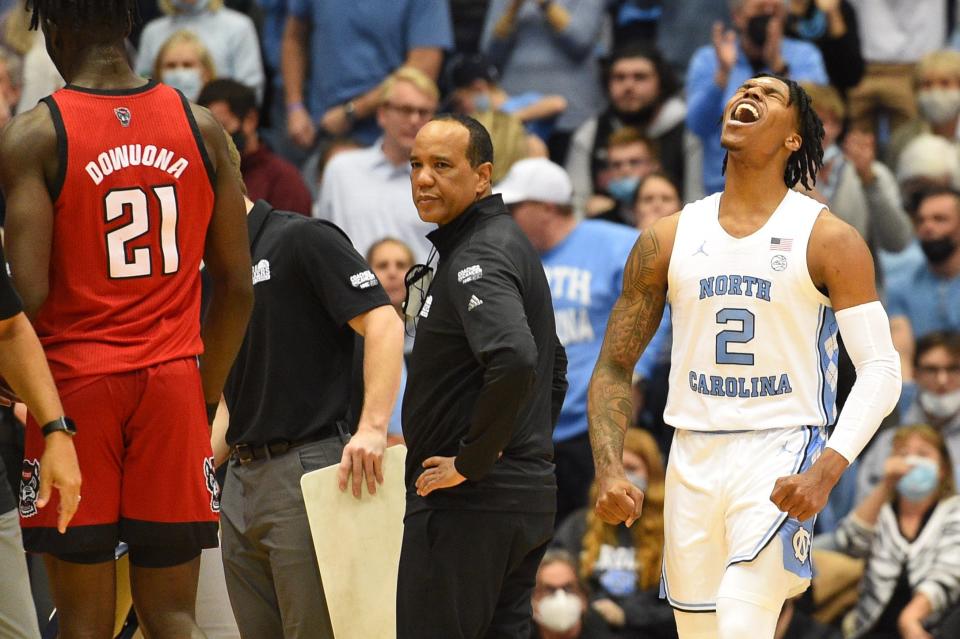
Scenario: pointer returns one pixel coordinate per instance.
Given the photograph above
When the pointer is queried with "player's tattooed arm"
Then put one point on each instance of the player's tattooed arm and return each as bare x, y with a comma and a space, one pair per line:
633, 321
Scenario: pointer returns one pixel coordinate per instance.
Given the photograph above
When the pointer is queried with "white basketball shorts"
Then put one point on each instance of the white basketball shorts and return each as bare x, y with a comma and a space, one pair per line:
717, 510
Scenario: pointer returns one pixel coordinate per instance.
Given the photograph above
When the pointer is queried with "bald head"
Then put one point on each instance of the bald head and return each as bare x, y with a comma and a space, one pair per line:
444, 178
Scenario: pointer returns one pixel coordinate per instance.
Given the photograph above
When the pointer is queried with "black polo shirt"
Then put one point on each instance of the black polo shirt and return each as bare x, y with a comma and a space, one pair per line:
9, 306
291, 378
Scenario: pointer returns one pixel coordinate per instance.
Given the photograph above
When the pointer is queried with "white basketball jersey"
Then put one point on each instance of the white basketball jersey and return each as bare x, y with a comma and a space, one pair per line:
754, 341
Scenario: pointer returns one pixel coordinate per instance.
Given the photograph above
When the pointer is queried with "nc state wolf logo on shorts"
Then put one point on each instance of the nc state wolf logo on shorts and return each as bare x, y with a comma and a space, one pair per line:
209, 472
29, 487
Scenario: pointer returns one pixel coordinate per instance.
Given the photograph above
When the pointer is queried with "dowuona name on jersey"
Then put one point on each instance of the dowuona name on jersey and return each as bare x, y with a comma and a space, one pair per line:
743, 387
127, 155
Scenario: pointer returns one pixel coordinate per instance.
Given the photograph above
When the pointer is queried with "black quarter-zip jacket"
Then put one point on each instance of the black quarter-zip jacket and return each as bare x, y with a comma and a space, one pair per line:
487, 373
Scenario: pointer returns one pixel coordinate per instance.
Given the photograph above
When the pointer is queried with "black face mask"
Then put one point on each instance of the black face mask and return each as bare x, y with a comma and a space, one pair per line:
639, 118
938, 251
239, 140
757, 29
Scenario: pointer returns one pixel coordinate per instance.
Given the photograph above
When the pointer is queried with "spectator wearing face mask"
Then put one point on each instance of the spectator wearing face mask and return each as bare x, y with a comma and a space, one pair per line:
935, 400
927, 298
267, 175
560, 608
228, 35
476, 90
894, 36
718, 70
937, 85
620, 565
184, 64
630, 158
908, 531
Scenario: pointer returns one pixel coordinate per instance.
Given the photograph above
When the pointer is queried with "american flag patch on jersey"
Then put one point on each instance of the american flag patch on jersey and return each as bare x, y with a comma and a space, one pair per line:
781, 243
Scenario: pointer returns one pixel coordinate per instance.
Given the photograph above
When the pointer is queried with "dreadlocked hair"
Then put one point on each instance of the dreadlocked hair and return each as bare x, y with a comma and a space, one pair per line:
647, 532
104, 18
804, 163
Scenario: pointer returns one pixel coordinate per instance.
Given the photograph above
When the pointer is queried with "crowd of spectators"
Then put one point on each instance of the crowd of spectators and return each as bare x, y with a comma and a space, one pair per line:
323, 100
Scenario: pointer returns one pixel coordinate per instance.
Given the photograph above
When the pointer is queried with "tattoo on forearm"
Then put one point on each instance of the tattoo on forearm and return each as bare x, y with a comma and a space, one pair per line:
633, 321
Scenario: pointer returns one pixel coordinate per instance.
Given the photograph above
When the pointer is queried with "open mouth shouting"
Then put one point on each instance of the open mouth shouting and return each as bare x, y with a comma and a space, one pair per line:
745, 111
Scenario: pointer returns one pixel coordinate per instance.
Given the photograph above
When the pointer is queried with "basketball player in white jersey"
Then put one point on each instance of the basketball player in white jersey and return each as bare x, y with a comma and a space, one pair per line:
759, 278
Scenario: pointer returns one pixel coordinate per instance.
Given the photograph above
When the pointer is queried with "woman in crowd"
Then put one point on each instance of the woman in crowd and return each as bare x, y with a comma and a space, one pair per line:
908, 530
559, 603
621, 565
229, 36
390, 260
657, 196
185, 64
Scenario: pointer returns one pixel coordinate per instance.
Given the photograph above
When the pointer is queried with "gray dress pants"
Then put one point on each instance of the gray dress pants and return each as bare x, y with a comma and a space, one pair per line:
268, 557
18, 620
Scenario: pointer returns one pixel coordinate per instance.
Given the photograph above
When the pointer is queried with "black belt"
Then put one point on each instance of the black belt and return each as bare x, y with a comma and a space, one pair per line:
246, 453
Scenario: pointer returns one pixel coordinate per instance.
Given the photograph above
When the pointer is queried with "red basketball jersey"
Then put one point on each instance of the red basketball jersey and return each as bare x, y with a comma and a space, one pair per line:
130, 224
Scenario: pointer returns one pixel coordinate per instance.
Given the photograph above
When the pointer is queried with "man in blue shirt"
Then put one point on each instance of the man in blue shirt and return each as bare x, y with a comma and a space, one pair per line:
584, 262
717, 70
353, 47
927, 298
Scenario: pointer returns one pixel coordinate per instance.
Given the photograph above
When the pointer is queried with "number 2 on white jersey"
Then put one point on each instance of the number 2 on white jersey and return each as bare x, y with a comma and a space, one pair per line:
139, 262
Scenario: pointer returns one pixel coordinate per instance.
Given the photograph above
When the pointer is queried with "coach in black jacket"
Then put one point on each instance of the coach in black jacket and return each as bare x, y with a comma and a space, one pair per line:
485, 382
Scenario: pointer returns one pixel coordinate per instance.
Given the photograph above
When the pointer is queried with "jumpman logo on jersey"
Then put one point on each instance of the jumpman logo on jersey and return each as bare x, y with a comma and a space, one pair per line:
700, 250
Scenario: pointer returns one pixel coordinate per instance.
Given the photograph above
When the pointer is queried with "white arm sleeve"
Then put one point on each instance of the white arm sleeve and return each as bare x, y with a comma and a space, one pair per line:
866, 334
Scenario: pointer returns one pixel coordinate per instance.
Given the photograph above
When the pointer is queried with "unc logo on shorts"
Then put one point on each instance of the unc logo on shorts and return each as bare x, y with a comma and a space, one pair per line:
801, 544
209, 473
29, 487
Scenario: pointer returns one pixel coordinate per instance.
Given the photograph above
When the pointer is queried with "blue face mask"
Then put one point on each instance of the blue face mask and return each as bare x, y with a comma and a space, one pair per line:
187, 80
638, 480
921, 481
197, 6
481, 102
623, 189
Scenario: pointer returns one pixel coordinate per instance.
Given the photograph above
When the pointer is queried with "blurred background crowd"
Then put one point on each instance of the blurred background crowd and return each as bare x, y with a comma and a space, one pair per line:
605, 116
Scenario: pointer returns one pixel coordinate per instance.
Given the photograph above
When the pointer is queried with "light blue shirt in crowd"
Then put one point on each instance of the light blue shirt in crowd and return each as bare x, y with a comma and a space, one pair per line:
228, 35
369, 198
355, 44
585, 272
930, 302
705, 100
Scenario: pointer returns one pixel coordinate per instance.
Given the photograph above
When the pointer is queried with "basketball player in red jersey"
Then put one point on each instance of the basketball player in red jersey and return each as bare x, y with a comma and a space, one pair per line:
116, 189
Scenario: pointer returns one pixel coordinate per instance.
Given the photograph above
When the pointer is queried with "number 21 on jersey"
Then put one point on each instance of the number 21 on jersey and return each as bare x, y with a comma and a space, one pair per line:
124, 264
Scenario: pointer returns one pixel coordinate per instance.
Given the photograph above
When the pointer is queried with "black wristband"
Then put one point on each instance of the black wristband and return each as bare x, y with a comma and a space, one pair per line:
212, 411
59, 425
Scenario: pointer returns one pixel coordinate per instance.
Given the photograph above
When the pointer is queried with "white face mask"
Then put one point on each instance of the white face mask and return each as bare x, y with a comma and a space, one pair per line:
559, 612
939, 106
940, 406
186, 79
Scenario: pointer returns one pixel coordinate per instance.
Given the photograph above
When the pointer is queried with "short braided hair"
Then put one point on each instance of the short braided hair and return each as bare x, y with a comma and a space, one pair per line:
104, 19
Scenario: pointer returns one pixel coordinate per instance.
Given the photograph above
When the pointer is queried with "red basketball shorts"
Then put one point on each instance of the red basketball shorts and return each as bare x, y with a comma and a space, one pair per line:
147, 468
